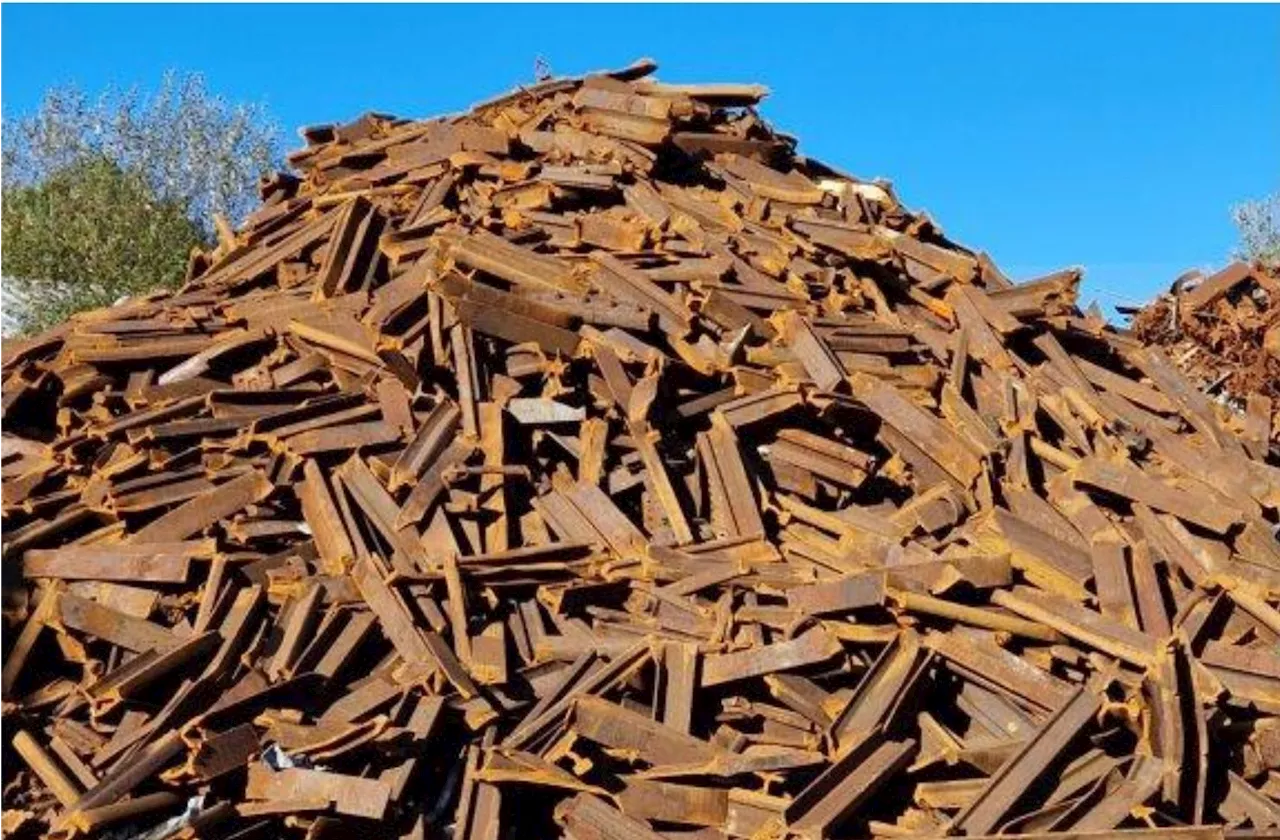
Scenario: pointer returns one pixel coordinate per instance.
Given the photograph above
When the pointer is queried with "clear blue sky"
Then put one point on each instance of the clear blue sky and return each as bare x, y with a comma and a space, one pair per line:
1116, 138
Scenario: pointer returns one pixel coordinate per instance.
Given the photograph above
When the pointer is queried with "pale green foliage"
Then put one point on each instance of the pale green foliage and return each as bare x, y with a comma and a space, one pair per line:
96, 191
1259, 226
191, 146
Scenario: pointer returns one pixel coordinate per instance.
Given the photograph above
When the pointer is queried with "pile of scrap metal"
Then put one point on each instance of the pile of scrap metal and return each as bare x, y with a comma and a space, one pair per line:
592, 465
1224, 332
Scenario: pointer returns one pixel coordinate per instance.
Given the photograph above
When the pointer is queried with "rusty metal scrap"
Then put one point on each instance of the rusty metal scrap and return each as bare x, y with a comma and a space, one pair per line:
593, 465
1223, 331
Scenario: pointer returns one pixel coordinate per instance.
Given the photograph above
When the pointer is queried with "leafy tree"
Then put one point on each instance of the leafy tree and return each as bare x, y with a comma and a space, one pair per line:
1259, 225
87, 235
105, 197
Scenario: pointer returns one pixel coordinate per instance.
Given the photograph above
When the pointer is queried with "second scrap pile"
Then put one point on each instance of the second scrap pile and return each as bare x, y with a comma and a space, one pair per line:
1224, 332
592, 463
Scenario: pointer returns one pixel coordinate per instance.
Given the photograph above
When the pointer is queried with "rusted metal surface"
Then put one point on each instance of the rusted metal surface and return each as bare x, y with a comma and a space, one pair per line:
1012, 781
1224, 333
838, 792
593, 465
